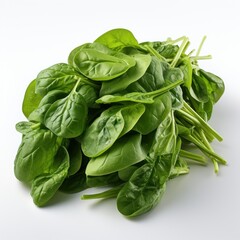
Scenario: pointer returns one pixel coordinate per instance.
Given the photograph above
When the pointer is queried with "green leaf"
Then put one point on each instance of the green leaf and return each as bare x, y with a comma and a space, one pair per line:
108, 127
75, 157
215, 85
147, 185
154, 114
31, 99
153, 78
46, 185
102, 133
35, 154
102, 65
133, 74
39, 113
25, 127
124, 153
146, 97
117, 39
67, 117
60, 76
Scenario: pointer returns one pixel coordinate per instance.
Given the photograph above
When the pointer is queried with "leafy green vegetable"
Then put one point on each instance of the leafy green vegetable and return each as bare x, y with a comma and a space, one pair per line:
31, 99
46, 185
118, 39
124, 153
120, 114
102, 65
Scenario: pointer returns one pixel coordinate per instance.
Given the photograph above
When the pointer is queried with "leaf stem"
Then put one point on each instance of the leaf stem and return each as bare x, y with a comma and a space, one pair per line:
193, 156
200, 46
181, 49
203, 124
154, 52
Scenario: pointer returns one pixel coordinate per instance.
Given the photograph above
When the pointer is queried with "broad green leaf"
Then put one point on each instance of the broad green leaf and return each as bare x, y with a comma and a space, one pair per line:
153, 78
215, 85
140, 97
154, 114
75, 157
102, 66
133, 74
67, 117
60, 76
46, 185
199, 89
147, 185
117, 39
131, 114
31, 99
102, 133
35, 154
39, 113
25, 127
124, 153
108, 127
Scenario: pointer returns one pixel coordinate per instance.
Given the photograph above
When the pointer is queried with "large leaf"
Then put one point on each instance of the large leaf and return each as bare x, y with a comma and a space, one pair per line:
102, 64
117, 38
31, 99
67, 117
46, 185
35, 154
124, 153
60, 76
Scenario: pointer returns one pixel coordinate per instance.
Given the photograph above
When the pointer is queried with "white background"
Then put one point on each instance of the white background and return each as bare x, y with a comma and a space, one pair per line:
37, 34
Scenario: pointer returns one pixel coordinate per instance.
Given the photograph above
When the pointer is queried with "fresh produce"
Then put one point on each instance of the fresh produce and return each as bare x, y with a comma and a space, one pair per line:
122, 115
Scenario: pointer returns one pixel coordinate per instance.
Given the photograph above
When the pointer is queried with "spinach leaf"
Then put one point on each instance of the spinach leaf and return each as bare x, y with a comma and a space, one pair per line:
147, 184
90, 95
67, 117
117, 39
31, 99
153, 78
46, 185
154, 114
215, 85
25, 127
35, 154
75, 157
198, 89
131, 115
146, 97
132, 75
102, 65
39, 113
108, 127
124, 153
60, 76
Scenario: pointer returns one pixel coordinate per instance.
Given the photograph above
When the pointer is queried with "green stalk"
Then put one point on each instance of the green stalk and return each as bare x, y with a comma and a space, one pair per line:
154, 52
193, 156
205, 150
207, 144
200, 46
180, 51
204, 125
111, 193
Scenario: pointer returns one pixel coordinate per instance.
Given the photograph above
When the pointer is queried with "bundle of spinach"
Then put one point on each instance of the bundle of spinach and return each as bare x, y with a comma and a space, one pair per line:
120, 114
